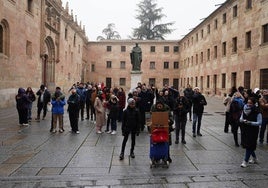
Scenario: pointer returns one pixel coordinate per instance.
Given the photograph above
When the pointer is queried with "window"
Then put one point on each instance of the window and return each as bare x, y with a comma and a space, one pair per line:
224, 49
152, 48
235, 11
201, 57
29, 48
176, 49
123, 48
234, 45
196, 59
165, 81
93, 68
215, 52
265, 33
166, 65
74, 44
122, 65
176, 65
108, 64
264, 78
208, 81
109, 48
4, 37
1, 39
215, 24
152, 81
152, 65
66, 34
248, 40
30, 5
223, 80
208, 55
224, 17
249, 4
196, 37
122, 81
247, 79
166, 48
202, 33
208, 28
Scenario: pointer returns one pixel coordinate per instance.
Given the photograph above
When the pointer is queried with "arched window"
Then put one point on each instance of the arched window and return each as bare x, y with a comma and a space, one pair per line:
4, 37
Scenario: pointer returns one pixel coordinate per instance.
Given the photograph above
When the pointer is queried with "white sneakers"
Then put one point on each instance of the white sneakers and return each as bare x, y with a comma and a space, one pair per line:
251, 161
244, 164
113, 132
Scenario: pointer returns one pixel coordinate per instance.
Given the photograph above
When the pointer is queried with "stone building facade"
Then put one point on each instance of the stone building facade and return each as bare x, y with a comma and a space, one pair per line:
42, 42
229, 48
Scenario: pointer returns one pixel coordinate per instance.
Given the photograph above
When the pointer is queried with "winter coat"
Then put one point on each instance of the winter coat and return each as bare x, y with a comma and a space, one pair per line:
73, 103
22, 100
250, 123
131, 120
181, 107
58, 106
199, 101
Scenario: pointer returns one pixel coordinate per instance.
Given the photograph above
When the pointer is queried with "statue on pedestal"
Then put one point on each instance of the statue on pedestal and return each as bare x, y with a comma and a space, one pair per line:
136, 58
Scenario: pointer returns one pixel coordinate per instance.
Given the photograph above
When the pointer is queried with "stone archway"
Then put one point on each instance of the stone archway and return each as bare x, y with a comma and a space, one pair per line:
48, 71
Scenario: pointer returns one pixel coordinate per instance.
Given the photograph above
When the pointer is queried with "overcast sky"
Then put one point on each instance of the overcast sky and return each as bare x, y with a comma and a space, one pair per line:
97, 14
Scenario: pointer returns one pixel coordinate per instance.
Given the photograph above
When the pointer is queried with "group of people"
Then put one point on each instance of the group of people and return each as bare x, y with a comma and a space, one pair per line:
247, 110
105, 107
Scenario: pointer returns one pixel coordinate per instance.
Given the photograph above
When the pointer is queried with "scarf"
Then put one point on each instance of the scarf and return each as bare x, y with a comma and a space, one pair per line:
247, 109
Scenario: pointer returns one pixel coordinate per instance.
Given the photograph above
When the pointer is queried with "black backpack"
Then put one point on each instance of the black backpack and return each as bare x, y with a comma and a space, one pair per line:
235, 110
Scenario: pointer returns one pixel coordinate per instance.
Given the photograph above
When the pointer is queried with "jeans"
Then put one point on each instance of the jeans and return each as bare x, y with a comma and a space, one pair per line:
180, 124
249, 153
263, 128
197, 117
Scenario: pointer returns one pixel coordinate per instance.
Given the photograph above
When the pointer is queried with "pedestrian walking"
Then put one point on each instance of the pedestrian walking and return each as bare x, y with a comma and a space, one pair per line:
32, 98
264, 111
199, 101
22, 103
44, 98
251, 119
130, 125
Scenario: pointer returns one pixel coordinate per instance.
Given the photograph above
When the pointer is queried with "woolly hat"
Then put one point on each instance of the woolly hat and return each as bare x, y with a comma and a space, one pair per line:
256, 90
130, 101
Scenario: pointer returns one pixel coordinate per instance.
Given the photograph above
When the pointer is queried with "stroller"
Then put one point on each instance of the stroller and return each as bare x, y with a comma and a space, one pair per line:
159, 140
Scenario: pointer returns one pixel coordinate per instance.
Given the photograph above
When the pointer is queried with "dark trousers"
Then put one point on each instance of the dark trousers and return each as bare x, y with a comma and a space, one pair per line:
73, 116
263, 128
23, 116
180, 124
133, 137
197, 118
41, 106
235, 125
248, 154
92, 113
227, 122
88, 106
81, 109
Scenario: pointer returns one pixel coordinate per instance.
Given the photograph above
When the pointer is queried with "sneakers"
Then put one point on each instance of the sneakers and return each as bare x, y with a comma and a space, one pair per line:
77, 132
108, 132
25, 124
99, 132
244, 164
113, 132
183, 141
54, 131
253, 161
61, 131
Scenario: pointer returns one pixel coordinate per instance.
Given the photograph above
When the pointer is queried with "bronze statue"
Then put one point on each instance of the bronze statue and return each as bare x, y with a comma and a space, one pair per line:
136, 58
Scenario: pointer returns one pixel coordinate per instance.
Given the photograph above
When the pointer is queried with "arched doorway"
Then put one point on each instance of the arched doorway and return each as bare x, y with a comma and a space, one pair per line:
48, 68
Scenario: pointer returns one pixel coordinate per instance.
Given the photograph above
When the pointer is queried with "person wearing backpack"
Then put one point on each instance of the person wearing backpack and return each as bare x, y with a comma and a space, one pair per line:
236, 107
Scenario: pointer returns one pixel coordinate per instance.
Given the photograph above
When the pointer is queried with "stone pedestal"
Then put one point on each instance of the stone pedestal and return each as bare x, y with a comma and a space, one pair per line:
135, 78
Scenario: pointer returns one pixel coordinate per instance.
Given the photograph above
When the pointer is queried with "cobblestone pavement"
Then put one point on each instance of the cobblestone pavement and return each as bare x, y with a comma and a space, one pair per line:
33, 157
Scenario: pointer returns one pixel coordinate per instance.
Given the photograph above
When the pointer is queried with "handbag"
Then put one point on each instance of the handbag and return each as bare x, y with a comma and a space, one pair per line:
49, 107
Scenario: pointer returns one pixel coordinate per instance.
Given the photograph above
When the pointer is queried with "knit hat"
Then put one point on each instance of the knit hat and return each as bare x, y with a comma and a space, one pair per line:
130, 101
256, 90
